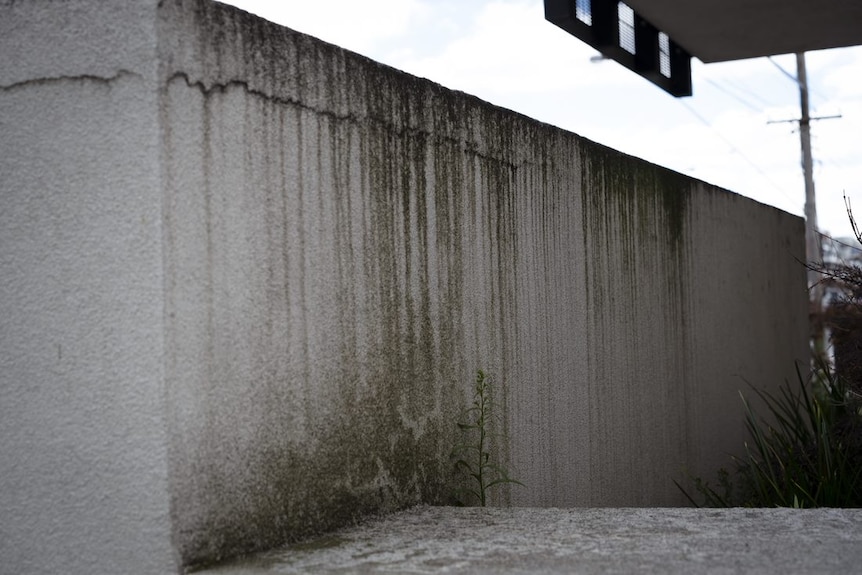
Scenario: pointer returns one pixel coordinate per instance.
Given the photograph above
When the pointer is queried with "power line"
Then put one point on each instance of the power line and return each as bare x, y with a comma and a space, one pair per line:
751, 93
834, 162
795, 80
736, 97
839, 242
733, 147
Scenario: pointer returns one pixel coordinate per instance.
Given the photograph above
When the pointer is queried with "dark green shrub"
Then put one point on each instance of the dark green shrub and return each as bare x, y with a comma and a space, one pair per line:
807, 451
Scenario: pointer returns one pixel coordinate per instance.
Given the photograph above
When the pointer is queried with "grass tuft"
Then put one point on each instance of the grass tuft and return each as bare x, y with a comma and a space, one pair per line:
806, 451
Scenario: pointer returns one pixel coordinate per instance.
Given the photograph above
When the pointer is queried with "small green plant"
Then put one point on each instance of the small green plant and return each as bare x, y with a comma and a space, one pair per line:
711, 497
806, 453
473, 453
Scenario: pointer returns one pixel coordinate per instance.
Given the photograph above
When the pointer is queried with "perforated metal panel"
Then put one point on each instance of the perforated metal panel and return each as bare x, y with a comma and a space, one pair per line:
621, 34
583, 12
626, 27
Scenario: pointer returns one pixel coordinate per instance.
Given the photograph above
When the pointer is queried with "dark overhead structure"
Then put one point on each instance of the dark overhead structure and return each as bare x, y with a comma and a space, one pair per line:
723, 30
620, 33
657, 38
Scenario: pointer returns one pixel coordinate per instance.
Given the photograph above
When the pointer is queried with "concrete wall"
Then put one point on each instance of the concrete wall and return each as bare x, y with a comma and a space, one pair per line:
247, 277
83, 429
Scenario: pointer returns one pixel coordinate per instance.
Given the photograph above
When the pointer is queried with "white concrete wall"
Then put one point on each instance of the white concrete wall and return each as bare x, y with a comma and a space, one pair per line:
249, 277
83, 441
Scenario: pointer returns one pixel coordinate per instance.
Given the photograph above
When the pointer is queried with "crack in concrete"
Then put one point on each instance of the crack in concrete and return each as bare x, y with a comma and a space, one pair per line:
221, 87
208, 88
46, 81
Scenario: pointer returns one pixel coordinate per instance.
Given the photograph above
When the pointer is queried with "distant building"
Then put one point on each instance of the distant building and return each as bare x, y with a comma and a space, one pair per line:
839, 253
842, 294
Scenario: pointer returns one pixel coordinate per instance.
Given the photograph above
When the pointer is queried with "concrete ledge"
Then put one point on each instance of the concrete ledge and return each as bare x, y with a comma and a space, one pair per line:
529, 540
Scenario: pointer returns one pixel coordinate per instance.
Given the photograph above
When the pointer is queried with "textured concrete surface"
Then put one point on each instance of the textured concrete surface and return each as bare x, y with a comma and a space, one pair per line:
499, 541
346, 244
247, 277
83, 423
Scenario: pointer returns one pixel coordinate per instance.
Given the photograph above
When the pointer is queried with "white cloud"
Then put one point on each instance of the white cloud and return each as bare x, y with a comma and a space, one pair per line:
358, 26
511, 49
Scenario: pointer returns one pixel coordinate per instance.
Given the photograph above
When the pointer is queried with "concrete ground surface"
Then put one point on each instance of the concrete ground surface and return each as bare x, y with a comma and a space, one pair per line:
486, 541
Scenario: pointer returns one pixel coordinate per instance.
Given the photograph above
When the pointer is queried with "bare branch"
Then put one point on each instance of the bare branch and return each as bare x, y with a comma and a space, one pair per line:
852, 219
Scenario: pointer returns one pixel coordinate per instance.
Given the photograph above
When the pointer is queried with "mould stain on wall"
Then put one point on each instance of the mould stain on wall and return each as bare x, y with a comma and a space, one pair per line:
366, 245
637, 266
345, 245
329, 389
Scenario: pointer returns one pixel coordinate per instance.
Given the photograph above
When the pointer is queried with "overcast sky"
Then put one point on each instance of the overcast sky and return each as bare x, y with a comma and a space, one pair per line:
505, 52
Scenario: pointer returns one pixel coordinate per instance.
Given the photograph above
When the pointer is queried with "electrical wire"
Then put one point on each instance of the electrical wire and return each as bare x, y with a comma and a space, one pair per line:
751, 93
736, 97
733, 148
839, 242
795, 80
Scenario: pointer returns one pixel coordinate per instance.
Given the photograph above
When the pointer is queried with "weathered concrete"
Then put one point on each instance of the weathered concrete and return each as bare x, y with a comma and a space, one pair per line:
83, 431
246, 279
475, 541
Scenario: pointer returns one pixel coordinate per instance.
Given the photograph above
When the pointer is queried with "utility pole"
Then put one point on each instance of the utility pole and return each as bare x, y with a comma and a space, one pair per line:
813, 249
813, 245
